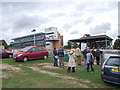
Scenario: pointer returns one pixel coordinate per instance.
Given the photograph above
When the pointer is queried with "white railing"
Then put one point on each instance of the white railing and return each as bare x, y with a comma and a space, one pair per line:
111, 51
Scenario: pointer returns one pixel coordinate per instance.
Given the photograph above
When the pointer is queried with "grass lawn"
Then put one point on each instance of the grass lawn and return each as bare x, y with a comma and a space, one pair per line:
41, 74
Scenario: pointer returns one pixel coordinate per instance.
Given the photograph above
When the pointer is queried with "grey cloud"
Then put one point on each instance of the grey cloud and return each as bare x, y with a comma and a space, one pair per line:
29, 21
89, 20
55, 15
67, 26
82, 6
96, 6
74, 32
21, 6
76, 14
73, 23
114, 35
100, 28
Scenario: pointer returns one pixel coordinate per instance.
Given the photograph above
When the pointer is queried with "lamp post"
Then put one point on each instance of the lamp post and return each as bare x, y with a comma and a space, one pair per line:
34, 35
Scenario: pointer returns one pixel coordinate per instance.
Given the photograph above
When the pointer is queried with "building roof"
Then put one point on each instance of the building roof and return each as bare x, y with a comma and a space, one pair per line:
97, 37
28, 35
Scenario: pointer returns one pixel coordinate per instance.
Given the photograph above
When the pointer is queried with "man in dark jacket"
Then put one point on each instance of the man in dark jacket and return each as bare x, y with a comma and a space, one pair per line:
61, 57
97, 55
55, 57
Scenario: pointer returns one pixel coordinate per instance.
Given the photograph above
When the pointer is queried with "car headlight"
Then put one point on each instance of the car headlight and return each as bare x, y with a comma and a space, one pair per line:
20, 55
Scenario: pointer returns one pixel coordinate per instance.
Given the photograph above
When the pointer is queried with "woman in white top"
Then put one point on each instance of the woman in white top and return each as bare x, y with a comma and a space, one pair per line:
78, 55
71, 63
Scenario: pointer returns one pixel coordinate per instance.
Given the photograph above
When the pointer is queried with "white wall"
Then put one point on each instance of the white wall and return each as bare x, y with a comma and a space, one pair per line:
50, 46
83, 45
49, 30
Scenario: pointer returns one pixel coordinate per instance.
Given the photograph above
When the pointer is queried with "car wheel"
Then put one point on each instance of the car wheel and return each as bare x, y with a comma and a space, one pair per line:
10, 56
25, 59
45, 57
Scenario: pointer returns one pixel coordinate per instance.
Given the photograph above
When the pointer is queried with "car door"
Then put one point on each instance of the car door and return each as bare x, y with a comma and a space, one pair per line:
112, 68
42, 52
0, 53
33, 53
4, 54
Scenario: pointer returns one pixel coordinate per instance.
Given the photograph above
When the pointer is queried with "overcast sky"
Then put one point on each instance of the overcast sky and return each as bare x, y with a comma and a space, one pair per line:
73, 18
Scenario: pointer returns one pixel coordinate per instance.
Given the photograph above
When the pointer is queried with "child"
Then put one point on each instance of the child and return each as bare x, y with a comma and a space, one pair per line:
71, 63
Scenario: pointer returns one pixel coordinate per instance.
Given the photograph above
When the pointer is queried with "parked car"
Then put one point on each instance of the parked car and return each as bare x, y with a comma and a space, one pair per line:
30, 53
111, 70
5, 54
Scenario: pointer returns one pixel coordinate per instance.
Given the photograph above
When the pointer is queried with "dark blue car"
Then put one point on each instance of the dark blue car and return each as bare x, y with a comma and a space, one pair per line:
111, 70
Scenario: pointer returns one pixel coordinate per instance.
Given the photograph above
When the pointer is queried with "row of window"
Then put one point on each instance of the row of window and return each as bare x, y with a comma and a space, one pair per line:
27, 39
37, 43
35, 50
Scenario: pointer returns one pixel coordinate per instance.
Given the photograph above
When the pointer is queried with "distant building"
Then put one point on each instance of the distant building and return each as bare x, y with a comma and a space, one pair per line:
21, 42
3, 44
50, 39
98, 41
53, 38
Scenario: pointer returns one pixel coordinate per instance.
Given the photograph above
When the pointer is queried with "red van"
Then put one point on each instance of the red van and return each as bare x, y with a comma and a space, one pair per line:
30, 53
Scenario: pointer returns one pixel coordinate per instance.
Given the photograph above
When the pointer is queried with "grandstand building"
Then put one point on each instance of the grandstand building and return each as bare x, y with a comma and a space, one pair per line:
98, 41
50, 39
21, 42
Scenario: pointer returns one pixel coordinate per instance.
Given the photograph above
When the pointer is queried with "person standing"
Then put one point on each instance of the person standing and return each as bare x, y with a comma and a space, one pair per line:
71, 62
84, 53
97, 55
93, 52
61, 57
66, 56
55, 57
78, 55
89, 60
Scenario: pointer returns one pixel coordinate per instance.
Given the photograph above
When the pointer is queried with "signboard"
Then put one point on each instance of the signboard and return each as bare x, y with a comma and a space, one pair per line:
83, 45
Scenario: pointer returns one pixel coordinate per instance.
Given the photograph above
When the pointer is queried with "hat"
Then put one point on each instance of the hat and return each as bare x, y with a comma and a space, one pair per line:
72, 51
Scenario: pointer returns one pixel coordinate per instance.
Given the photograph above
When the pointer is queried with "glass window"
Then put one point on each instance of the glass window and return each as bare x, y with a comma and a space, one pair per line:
2, 50
41, 49
33, 50
113, 62
25, 49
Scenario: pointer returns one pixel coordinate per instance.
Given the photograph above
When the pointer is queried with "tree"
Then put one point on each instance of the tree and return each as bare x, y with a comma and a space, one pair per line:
70, 45
3, 43
116, 44
11, 45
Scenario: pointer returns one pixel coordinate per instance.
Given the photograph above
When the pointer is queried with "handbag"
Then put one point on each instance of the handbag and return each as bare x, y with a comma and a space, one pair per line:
56, 57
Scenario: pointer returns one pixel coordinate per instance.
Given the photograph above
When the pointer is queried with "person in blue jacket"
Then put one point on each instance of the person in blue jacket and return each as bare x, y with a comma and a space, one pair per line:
61, 57
89, 60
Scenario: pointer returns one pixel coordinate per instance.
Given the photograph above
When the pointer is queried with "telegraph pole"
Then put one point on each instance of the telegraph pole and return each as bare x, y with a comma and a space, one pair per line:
34, 35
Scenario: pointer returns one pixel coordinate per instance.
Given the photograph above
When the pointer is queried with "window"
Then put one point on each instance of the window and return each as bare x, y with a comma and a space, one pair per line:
41, 49
2, 50
113, 62
33, 50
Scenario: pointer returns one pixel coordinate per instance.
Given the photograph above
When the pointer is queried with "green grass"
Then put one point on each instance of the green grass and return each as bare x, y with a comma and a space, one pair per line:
27, 78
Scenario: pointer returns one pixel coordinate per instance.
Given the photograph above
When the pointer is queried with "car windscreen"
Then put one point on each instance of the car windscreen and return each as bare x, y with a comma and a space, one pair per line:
25, 49
1, 50
113, 61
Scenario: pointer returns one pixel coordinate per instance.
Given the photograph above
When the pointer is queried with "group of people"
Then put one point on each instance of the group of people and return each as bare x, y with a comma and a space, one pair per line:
58, 54
75, 55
